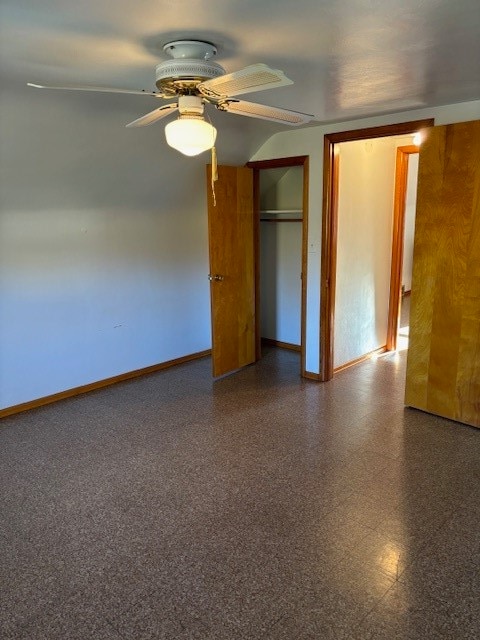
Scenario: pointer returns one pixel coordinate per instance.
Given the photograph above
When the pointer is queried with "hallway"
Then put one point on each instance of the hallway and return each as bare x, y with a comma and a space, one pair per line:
261, 506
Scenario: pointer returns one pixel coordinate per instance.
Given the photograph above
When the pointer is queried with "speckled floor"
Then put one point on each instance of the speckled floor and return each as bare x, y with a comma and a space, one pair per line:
259, 506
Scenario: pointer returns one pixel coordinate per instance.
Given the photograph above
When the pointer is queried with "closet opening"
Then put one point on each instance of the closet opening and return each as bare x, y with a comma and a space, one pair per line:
281, 215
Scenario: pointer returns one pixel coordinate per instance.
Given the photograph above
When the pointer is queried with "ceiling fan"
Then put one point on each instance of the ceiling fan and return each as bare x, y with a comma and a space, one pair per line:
195, 80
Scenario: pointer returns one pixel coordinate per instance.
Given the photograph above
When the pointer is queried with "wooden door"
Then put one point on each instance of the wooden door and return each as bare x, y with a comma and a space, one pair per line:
232, 268
443, 368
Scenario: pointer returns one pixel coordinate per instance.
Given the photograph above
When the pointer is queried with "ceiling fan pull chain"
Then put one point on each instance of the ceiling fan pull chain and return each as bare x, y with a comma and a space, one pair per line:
214, 174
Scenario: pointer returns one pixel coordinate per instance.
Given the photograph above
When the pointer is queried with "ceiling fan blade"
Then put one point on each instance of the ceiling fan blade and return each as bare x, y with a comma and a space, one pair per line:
256, 77
153, 116
93, 88
242, 108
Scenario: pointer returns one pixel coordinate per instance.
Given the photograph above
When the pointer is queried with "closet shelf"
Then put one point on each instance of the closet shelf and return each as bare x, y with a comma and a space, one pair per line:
281, 215
279, 212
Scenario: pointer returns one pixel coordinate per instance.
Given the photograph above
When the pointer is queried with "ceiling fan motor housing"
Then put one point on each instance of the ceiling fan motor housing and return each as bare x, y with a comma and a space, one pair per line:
190, 65
185, 73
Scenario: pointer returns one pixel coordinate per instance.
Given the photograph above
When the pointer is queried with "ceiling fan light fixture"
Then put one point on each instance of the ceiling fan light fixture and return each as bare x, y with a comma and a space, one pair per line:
191, 135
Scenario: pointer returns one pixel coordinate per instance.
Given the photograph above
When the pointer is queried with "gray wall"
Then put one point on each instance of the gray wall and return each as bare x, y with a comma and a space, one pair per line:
103, 241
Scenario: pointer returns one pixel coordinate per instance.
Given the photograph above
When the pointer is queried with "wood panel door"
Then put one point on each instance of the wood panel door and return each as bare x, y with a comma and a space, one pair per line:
443, 368
232, 268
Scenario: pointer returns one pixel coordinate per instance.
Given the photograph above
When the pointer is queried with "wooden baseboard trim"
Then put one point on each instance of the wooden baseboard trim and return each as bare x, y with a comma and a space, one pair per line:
367, 356
93, 386
312, 376
283, 345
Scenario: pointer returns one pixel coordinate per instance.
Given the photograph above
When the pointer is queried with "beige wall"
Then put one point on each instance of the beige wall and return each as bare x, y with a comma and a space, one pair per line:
365, 200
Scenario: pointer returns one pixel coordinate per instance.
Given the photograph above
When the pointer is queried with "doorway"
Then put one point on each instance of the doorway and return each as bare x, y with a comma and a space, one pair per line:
281, 215
406, 173
330, 233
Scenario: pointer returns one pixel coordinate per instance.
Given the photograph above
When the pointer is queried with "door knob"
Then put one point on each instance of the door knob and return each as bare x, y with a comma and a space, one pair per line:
215, 278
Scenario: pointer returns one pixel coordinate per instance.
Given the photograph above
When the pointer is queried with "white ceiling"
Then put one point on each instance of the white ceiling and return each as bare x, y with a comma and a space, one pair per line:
347, 58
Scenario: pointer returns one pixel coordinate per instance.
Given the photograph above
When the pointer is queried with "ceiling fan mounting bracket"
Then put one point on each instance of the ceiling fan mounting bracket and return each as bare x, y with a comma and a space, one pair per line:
191, 49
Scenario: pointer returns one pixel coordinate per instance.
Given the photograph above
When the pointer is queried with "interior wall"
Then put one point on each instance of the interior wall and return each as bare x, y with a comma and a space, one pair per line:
289, 189
365, 197
268, 182
409, 229
280, 269
103, 248
309, 141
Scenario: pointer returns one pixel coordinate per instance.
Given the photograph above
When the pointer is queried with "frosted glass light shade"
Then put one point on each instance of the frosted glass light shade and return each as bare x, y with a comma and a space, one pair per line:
190, 136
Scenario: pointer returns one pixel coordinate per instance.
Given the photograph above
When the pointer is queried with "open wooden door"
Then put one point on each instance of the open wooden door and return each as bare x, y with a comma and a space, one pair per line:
443, 368
232, 268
